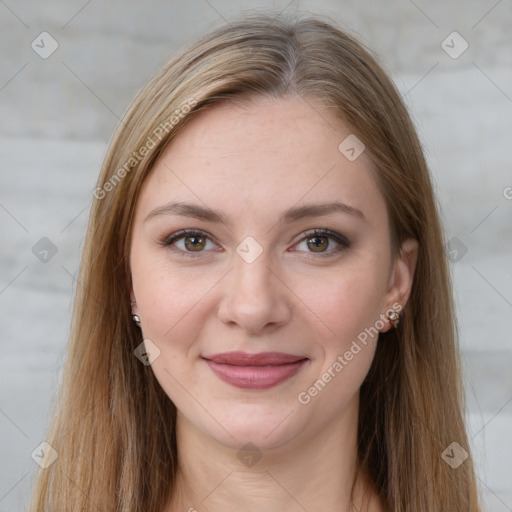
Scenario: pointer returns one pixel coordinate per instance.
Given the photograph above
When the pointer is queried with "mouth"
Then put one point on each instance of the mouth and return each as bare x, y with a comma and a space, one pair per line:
255, 371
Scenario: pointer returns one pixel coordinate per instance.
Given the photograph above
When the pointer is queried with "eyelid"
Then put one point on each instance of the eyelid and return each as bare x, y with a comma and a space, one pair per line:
338, 237
183, 232
342, 241
169, 240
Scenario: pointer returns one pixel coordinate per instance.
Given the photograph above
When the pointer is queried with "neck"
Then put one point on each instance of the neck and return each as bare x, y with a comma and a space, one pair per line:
314, 473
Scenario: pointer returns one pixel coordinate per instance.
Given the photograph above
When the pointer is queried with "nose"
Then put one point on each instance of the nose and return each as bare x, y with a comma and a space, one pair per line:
254, 297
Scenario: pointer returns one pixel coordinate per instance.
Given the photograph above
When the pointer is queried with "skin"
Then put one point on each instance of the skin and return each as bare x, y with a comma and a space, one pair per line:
252, 162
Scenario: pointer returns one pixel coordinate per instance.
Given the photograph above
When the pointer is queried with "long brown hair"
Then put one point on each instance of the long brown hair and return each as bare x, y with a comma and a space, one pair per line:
114, 427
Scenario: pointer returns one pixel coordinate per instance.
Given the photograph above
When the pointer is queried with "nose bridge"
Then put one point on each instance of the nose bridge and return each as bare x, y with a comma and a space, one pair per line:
252, 261
253, 297
252, 279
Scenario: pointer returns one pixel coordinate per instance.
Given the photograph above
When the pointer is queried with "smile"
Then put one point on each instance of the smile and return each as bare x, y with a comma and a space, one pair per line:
255, 371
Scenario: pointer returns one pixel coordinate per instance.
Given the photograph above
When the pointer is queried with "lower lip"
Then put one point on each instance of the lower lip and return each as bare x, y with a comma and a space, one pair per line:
255, 377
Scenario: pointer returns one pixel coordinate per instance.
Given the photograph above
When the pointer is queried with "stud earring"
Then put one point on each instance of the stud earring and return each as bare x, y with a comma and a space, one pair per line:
136, 318
394, 318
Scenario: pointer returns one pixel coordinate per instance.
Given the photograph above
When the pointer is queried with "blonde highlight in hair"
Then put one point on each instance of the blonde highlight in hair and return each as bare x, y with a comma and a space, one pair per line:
114, 427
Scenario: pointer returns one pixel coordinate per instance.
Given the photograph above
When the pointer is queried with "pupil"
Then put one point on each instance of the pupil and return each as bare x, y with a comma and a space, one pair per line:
318, 242
193, 241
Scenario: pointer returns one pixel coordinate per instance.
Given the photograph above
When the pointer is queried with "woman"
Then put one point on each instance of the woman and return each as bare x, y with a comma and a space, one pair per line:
265, 318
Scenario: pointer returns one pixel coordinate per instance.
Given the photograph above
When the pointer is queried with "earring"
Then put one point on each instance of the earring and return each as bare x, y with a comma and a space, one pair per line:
394, 318
136, 318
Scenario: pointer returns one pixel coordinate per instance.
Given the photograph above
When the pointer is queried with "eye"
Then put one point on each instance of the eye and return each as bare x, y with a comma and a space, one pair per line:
188, 242
320, 240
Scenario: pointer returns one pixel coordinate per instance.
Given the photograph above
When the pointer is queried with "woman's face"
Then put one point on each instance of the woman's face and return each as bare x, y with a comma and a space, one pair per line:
265, 329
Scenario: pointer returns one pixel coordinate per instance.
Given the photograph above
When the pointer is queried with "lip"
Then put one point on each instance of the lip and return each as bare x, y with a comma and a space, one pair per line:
255, 371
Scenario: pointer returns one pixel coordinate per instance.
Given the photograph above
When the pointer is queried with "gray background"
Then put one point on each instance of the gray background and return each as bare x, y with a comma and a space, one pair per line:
57, 115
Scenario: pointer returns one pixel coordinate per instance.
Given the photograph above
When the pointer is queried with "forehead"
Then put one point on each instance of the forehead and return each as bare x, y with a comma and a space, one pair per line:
262, 156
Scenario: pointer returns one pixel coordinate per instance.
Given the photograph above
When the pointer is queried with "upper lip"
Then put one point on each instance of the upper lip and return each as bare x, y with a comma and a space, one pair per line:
260, 359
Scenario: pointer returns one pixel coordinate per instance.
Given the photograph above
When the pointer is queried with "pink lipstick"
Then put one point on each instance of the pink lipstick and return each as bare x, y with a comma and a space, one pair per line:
255, 371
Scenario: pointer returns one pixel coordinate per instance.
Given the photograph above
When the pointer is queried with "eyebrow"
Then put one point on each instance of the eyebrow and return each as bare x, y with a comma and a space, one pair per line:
288, 216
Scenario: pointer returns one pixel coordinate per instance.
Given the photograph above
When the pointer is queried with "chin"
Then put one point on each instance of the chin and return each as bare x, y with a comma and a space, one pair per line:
267, 426
260, 435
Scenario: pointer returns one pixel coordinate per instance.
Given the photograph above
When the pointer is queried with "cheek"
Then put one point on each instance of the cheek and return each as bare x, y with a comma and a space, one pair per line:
170, 306
167, 301
345, 355
170, 298
345, 302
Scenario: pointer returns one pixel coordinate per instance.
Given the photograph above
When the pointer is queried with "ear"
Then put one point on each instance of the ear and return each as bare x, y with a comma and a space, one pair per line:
132, 299
401, 279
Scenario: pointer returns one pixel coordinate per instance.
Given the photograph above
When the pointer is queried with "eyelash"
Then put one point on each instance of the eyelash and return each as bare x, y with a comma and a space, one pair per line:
343, 243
